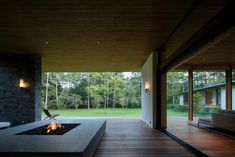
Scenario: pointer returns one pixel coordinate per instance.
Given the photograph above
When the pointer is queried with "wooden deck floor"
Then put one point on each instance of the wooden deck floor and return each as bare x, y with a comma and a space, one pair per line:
133, 138
210, 143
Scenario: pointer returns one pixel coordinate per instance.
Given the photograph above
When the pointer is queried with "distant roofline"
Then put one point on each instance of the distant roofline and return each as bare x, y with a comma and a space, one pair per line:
208, 87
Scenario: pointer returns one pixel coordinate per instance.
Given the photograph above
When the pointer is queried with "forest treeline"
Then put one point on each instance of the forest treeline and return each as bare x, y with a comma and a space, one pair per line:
90, 90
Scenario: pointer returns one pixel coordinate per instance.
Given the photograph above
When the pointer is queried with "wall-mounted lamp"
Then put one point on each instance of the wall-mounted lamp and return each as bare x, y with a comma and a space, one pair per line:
147, 86
23, 84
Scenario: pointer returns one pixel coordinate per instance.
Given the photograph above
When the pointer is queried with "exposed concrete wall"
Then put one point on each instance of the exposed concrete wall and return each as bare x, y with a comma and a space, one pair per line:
18, 105
147, 97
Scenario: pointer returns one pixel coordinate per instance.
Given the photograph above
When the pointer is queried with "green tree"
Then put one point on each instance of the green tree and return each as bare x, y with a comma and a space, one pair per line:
197, 97
176, 83
75, 90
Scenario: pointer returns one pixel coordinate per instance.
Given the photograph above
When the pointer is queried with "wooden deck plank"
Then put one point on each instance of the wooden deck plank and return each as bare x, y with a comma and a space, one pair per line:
208, 142
133, 138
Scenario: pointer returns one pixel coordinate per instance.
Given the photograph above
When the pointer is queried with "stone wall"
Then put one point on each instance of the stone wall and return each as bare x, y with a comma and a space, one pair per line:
19, 105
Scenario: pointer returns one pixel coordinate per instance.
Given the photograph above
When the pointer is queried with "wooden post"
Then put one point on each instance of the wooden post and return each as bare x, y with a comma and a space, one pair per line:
163, 101
161, 115
159, 88
229, 88
190, 94
217, 99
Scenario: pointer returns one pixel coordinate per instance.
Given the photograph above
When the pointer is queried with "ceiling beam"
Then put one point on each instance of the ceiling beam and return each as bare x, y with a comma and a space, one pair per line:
179, 25
215, 29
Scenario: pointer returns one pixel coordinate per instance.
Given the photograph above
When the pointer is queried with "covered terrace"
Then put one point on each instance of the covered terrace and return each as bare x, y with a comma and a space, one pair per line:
150, 36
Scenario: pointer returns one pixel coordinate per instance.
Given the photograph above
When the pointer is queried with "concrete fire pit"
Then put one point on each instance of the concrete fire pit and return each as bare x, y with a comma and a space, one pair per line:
80, 141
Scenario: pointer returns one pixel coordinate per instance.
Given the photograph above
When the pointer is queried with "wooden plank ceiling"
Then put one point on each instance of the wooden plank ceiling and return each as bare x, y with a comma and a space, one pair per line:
91, 35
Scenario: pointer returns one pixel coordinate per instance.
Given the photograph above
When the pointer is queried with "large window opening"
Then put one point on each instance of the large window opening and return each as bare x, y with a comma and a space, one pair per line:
92, 94
209, 93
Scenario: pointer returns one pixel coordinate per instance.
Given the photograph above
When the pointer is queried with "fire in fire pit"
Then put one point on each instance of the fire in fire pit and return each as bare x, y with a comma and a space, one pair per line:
52, 128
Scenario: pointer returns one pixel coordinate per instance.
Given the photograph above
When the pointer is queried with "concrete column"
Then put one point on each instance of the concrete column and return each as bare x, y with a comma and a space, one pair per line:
20, 105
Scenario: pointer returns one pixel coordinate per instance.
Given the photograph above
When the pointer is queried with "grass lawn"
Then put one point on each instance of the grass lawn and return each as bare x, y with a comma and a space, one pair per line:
119, 112
172, 113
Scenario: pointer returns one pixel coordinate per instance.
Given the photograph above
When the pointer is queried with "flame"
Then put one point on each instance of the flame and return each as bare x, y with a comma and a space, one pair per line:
53, 126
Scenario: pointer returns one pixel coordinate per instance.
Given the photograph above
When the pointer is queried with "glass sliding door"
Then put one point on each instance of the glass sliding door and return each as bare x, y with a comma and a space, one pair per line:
177, 96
